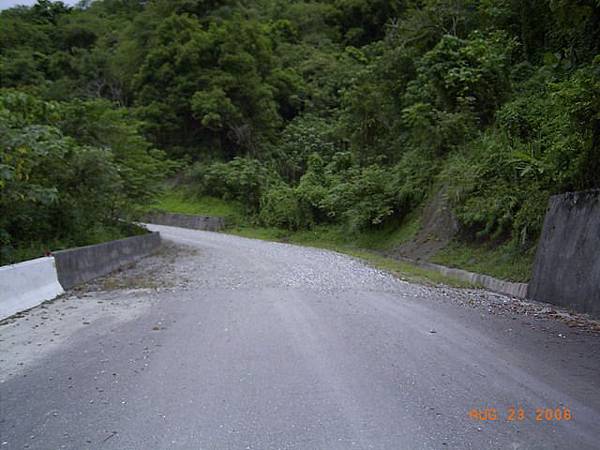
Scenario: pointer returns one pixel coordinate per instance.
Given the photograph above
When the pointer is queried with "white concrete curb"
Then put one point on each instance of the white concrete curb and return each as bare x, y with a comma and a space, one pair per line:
518, 290
27, 284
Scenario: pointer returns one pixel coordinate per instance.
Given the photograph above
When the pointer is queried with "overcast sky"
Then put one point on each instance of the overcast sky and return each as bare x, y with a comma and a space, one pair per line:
8, 3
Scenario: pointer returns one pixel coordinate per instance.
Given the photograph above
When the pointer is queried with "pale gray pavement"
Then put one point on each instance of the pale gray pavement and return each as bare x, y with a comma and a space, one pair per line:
221, 342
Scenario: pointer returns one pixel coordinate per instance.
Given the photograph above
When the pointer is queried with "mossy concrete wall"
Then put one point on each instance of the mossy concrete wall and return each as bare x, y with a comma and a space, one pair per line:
207, 223
78, 265
567, 265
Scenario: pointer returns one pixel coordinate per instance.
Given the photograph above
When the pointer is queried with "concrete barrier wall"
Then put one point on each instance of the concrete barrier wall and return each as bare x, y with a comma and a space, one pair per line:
27, 284
567, 265
78, 265
207, 223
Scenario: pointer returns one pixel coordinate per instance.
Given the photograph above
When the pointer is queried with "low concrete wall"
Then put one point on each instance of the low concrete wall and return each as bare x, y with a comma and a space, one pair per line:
78, 265
27, 284
567, 264
207, 223
518, 290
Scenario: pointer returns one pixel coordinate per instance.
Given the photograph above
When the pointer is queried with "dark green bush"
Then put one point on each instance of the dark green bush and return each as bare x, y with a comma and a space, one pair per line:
58, 187
281, 207
304, 136
242, 179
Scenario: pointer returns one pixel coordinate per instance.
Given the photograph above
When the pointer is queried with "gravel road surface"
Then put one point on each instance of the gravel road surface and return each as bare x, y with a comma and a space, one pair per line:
221, 342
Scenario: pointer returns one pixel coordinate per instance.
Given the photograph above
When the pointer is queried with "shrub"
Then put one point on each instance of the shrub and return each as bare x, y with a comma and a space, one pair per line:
303, 136
365, 199
242, 179
281, 207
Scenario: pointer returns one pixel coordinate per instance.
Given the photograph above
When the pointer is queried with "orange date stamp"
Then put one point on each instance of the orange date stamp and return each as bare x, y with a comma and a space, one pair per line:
519, 414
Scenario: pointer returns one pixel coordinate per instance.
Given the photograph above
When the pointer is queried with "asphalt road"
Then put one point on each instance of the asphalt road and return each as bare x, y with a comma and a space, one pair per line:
221, 342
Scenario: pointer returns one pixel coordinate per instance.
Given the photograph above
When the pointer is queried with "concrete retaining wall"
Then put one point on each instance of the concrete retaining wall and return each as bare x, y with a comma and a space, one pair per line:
207, 223
78, 265
518, 290
27, 284
567, 265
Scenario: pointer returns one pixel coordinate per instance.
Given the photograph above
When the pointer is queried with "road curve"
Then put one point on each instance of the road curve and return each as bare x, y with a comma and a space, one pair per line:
221, 342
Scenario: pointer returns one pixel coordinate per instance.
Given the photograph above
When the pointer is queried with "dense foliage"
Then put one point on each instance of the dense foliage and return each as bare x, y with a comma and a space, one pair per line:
69, 173
308, 112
